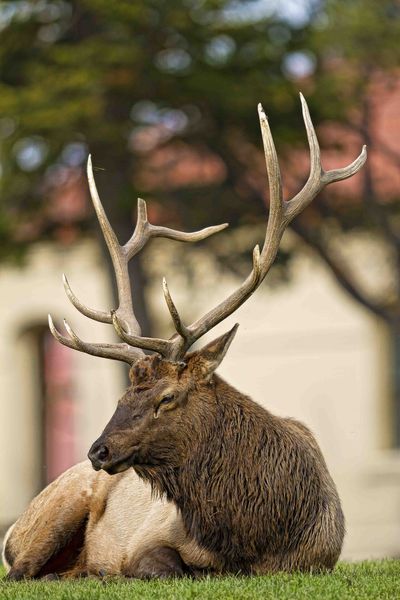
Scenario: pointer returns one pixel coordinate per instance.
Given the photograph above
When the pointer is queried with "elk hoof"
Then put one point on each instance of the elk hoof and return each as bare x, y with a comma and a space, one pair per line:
159, 563
16, 575
51, 577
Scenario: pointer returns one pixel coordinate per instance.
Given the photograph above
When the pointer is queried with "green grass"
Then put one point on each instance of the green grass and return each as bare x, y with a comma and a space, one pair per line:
373, 580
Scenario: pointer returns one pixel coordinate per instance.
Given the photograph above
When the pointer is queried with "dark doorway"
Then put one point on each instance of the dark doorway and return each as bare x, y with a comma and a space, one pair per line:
57, 407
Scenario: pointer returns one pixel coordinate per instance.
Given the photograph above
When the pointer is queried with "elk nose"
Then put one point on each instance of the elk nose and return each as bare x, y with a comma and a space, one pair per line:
98, 455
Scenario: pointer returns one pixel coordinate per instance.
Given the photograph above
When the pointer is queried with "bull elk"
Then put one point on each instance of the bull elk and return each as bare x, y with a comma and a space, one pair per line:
189, 474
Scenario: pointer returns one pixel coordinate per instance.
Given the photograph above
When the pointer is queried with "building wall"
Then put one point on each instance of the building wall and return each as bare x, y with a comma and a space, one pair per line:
27, 295
303, 350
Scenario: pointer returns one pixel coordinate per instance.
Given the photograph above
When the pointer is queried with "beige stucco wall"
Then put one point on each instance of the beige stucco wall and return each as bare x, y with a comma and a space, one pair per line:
27, 295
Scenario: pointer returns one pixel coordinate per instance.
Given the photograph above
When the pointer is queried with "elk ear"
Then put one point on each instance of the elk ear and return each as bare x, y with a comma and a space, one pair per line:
207, 360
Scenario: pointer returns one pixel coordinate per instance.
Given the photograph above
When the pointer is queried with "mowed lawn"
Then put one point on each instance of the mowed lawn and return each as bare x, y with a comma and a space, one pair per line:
373, 580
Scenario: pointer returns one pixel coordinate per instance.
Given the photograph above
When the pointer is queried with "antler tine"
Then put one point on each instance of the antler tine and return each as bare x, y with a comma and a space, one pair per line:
276, 207
118, 257
97, 315
318, 178
280, 215
145, 230
154, 344
182, 236
120, 352
179, 326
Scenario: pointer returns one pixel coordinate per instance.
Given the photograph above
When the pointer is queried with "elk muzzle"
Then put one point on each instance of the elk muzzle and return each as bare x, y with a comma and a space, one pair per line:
103, 455
98, 455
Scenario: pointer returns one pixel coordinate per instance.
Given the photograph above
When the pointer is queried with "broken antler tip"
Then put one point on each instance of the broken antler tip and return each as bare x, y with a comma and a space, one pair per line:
141, 210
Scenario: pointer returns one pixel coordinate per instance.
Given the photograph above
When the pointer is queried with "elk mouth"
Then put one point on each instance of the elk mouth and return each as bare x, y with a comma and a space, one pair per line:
111, 465
119, 466
133, 459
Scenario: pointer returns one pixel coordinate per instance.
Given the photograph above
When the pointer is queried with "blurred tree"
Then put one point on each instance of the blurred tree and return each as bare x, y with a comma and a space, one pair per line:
125, 80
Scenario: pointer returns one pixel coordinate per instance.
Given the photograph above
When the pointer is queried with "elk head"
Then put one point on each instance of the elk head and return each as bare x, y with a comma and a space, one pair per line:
170, 389
156, 418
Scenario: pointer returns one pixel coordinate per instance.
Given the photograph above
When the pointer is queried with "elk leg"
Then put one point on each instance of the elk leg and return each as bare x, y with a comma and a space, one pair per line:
49, 535
161, 562
55, 553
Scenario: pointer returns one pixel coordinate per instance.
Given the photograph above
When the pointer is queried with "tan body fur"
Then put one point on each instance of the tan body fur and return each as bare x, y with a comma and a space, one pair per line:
124, 519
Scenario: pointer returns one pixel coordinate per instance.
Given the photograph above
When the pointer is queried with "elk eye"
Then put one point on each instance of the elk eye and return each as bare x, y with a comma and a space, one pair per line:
167, 399
164, 400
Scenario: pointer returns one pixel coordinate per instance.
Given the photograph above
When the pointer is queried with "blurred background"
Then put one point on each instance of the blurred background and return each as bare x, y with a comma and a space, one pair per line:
164, 95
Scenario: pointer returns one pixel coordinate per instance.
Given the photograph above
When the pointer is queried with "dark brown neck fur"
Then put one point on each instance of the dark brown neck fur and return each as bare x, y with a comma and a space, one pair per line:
254, 484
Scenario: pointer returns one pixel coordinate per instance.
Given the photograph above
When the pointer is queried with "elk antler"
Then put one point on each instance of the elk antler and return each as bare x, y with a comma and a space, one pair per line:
123, 317
281, 213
